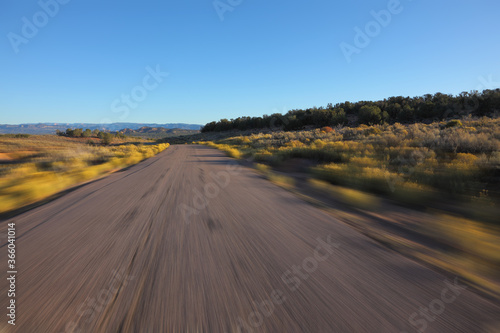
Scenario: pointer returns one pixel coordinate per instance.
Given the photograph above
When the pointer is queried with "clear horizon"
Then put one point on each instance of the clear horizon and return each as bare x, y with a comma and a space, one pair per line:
199, 61
79, 122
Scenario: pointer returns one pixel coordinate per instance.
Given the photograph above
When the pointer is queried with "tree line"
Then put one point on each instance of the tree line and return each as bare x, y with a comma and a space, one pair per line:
390, 110
106, 137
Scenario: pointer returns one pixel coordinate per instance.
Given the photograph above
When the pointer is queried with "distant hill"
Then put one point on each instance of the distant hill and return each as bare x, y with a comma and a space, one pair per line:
157, 132
50, 128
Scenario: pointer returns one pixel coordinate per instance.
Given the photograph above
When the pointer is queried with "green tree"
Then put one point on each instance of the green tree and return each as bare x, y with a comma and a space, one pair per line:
87, 133
370, 115
106, 138
407, 114
77, 132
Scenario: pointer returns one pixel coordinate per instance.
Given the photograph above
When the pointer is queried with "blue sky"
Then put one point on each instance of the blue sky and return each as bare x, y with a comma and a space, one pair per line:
263, 57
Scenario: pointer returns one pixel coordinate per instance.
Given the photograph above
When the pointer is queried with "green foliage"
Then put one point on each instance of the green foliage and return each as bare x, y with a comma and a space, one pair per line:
370, 115
293, 120
87, 133
106, 137
408, 162
403, 109
17, 136
77, 132
454, 123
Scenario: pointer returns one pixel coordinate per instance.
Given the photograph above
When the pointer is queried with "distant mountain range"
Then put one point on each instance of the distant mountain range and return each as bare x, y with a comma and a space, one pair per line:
50, 128
157, 132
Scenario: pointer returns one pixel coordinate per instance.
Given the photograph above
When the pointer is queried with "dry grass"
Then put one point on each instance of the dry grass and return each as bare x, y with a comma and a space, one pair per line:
411, 163
40, 166
229, 150
347, 196
450, 172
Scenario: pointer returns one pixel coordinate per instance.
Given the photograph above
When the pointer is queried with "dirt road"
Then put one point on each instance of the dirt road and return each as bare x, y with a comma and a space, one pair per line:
188, 241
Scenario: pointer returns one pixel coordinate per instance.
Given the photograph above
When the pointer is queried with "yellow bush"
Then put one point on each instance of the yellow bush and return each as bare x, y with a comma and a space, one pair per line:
295, 144
364, 161
84, 174
371, 179
318, 143
245, 140
281, 180
8, 202
233, 152
262, 167
412, 193
25, 184
230, 151
470, 236
263, 155
416, 158
347, 196
465, 158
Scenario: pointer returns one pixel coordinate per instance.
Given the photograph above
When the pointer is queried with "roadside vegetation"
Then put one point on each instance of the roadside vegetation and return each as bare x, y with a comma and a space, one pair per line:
105, 137
426, 109
398, 183
36, 167
156, 133
414, 163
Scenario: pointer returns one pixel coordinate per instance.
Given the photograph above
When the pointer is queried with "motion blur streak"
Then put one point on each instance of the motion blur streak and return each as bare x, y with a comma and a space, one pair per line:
117, 255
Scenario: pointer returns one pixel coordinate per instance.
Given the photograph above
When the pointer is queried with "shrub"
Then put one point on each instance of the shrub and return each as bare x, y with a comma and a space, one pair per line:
411, 160
281, 180
370, 179
16, 136
262, 167
107, 138
372, 130
326, 129
371, 115
453, 123
263, 156
347, 196
34, 181
412, 194
230, 151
